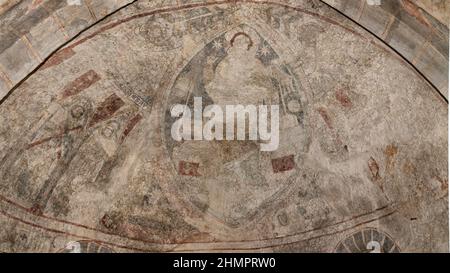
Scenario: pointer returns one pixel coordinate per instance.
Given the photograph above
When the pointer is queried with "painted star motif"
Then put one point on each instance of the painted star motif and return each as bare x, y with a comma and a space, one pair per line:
264, 51
217, 44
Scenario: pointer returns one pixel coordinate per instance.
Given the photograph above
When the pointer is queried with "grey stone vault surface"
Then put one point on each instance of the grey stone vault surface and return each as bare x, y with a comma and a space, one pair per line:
409, 27
86, 154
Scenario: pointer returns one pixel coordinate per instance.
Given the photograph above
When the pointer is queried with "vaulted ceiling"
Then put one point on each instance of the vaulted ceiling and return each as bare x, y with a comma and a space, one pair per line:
87, 157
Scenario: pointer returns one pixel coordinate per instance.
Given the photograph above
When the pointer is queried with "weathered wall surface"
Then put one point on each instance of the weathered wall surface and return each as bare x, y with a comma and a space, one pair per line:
412, 31
439, 9
86, 154
30, 30
7, 4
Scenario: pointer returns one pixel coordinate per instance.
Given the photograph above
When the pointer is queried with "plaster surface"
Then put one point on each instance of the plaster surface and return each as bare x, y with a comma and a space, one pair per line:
86, 153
